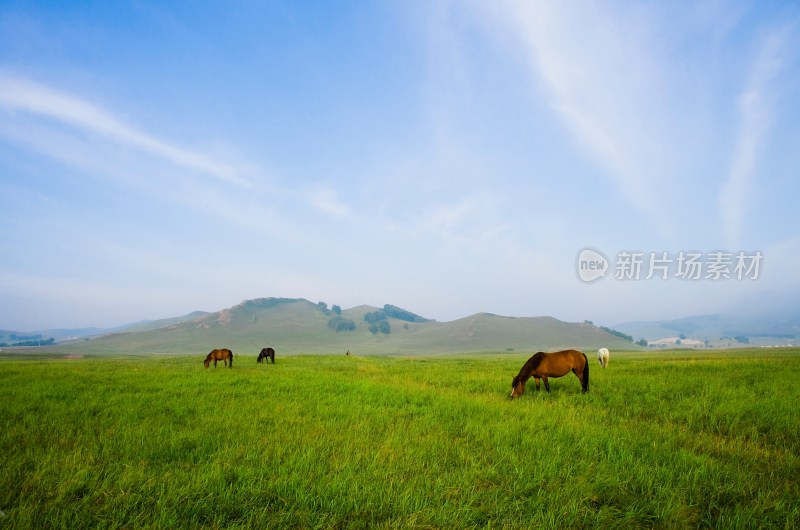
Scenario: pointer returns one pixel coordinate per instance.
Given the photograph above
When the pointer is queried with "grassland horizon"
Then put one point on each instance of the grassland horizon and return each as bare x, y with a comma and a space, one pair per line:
666, 439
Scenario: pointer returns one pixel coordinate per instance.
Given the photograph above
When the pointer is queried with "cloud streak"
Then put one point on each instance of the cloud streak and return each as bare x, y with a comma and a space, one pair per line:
20, 95
755, 117
328, 201
601, 75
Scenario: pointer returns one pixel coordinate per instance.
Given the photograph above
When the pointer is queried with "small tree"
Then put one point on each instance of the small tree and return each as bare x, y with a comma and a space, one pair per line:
381, 326
339, 323
374, 316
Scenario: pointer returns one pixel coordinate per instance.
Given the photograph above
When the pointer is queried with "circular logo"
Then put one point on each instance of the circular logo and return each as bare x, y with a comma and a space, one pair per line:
592, 265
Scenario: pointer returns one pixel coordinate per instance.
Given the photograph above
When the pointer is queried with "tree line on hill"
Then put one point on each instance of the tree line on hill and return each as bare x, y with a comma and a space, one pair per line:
29, 341
377, 320
625, 336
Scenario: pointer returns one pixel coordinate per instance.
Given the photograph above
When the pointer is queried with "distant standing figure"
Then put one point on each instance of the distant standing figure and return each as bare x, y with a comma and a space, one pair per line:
602, 357
266, 353
348, 352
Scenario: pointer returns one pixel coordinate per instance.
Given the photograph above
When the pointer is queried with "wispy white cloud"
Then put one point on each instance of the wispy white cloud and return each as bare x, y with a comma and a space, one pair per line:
595, 64
475, 223
328, 201
609, 76
444, 219
21, 95
755, 116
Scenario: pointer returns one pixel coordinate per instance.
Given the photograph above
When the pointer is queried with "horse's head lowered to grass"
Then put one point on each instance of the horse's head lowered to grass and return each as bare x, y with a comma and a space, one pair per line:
266, 353
224, 354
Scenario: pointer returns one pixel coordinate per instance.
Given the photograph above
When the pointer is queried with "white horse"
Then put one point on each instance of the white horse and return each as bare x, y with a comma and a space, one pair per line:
602, 357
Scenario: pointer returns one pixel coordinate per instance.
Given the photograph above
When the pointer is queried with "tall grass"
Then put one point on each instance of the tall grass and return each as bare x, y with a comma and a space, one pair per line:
677, 440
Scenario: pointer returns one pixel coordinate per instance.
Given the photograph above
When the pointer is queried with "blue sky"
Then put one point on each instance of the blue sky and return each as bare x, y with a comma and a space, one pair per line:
158, 158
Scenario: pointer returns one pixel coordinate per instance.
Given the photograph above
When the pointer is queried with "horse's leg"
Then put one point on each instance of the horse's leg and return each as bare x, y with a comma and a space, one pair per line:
536, 380
546, 383
579, 375
585, 377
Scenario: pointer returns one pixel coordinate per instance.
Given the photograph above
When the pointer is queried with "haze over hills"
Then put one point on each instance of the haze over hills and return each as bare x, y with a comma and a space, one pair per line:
293, 326
61, 335
721, 330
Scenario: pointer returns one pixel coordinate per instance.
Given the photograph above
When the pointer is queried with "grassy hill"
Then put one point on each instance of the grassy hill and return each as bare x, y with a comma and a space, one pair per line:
293, 326
149, 325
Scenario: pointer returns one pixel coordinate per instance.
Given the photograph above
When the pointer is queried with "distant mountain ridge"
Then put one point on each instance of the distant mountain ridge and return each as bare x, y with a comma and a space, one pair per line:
61, 335
294, 326
719, 329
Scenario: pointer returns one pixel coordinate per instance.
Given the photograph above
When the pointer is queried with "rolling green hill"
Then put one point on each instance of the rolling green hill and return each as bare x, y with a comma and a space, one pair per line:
294, 326
149, 325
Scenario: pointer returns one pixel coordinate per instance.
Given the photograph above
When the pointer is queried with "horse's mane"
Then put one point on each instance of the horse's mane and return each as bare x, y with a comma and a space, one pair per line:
531, 365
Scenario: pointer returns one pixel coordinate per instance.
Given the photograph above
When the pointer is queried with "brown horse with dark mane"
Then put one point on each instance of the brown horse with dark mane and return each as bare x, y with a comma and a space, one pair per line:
543, 365
223, 354
266, 353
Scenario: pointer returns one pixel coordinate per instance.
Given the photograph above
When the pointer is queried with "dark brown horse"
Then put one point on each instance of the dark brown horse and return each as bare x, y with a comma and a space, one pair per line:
224, 355
543, 365
266, 353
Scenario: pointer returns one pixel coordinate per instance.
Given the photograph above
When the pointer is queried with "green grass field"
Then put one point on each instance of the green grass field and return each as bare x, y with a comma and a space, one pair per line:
676, 439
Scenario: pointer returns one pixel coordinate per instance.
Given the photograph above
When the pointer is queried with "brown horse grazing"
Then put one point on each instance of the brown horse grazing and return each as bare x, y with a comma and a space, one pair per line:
224, 355
266, 353
543, 365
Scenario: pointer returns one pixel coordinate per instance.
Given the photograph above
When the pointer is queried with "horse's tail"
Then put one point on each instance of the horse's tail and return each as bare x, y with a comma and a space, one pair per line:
585, 381
230, 361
